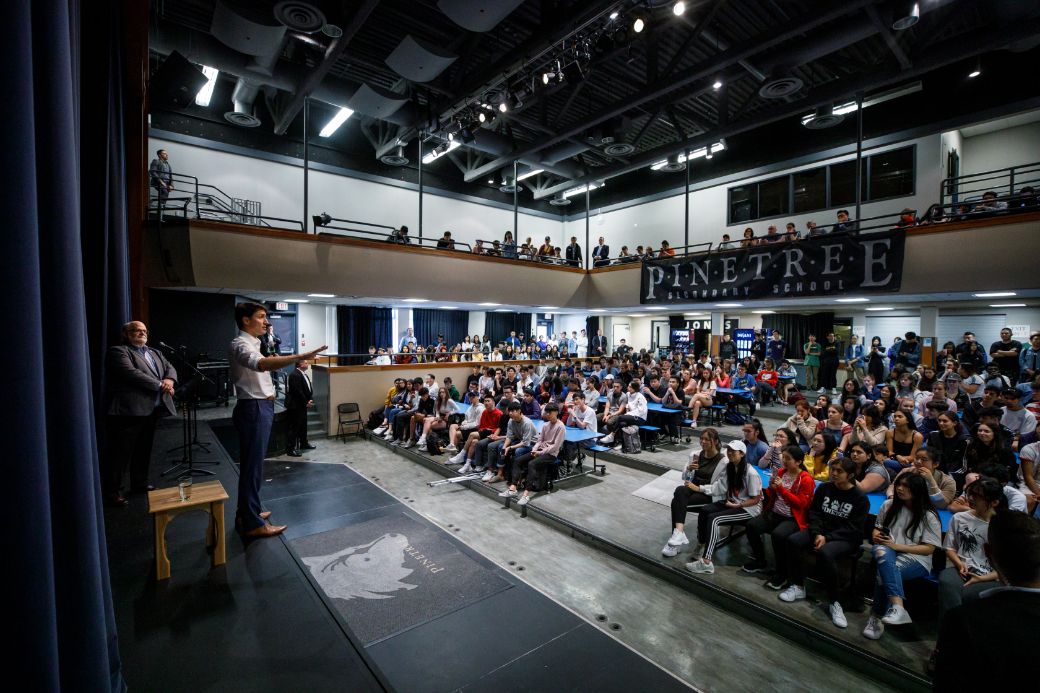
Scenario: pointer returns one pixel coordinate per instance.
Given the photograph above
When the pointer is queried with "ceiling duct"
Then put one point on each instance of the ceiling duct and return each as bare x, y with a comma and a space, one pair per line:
300, 16
673, 164
262, 41
243, 111
395, 158
509, 185
479, 16
780, 87
619, 149
558, 200
823, 118
418, 61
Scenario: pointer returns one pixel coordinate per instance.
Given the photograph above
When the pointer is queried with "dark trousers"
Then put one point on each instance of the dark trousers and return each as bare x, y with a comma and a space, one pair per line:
297, 425
829, 374
252, 419
826, 560
685, 499
532, 467
129, 446
626, 420
779, 529
710, 520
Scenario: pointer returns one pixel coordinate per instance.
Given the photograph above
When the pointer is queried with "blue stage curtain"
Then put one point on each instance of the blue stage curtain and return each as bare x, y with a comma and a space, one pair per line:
58, 590
430, 322
360, 327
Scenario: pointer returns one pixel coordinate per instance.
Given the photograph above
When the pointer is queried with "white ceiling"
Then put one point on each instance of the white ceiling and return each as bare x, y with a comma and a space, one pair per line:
1001, 123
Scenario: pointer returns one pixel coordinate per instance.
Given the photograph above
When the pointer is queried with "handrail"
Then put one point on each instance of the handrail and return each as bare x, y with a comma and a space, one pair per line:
1012, 176
530, 256
425, 243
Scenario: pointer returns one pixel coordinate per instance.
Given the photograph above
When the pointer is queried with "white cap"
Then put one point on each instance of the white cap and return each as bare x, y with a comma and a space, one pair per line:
737, 445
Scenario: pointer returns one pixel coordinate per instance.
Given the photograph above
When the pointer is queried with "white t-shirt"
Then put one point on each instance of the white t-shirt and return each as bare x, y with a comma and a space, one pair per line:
589, 417
966, 535
928, 531
1021, 422
974, 379
1030, 452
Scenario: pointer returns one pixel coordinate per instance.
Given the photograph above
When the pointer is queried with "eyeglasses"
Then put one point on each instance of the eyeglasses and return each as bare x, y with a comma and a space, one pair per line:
138, 331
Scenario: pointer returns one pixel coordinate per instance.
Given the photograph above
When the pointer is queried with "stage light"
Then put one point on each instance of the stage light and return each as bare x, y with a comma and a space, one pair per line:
451, 136
491, 181
905, 21
974, 73
708, 154
337, 120
442, 148
206, 93
977, 71
638, 24
546, 76
503, 107
613, 15
482, 117
717, 85
678, 8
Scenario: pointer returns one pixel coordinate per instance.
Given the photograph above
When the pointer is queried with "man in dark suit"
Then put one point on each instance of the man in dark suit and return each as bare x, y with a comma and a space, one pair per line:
983, 643
599, 344
271, 345
298, 397
139, 390
600, 254
573, 253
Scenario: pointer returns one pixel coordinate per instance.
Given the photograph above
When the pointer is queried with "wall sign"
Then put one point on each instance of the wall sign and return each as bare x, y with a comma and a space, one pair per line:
820, 266
744, 337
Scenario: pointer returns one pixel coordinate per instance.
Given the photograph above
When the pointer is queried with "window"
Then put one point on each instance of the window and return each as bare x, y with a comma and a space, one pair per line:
743, 203
774, 196
810, 190
843, 183
892, 174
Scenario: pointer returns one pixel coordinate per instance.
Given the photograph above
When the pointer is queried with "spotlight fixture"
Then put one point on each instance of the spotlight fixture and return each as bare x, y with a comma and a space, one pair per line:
442, 148
708, 154
912, 16
679, 8
638, 24
976, 71
613, 15
503, 107
322, 219
717, 84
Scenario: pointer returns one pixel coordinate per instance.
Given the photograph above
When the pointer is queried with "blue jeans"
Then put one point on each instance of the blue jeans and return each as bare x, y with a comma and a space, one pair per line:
494, 454
892, 569
252, 419
894, 467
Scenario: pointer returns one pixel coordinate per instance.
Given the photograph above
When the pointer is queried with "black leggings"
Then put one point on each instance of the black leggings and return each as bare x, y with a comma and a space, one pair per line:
779, 529
626, 420
826, 560
685, 499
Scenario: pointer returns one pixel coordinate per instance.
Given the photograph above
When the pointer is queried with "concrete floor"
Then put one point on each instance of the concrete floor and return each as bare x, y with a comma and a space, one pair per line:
704, 645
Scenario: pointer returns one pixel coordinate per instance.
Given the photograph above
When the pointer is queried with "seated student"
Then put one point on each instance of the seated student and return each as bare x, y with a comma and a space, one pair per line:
453, 392
787, 377
867, 428
835, 530
1029, 473
392, 396
802, 422
986, 642
739, 488
1016, 500
487, 427
520, 434
768, 381
746, 382
871, 473
530, 468
819, 410
906, 534
704, 470
529, 405
941, 486
834, 424
443, 408
902, 441
406, 421
821, 451
1016, 418
703, 392
632, 413
673, 401
754, 441
785, 511
988, 446
870, 391
782, 439
952, 442
458, 432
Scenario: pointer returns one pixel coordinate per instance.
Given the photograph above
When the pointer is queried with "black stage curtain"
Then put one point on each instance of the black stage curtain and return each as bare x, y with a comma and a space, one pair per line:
64, 275
430, 322
591, 325
497, 326
360, 327
795, 329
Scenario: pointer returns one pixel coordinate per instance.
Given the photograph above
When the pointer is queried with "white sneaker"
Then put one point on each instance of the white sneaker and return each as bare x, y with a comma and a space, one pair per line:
701, 566
670, 550
379, 431
409, 444
874, 628
524, 500
395, 443
896, 616
466, 468
422, 441
478, 469
458, 458
451, 448
488, 476
822, 391
792, 594
678, 538
389, 436
838, 616
508, 493
607, 439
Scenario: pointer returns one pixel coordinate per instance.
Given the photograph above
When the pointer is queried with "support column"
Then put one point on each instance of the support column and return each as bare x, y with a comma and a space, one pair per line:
929, 330
718, 326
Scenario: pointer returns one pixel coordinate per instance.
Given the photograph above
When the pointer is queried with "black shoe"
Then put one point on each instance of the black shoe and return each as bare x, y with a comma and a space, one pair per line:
294, 453
308, 446
754, 566
776, 582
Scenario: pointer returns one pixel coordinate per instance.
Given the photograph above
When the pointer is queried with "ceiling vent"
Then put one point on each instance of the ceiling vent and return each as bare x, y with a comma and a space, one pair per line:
673, 164
509, 185
395, 158
780, 87
823, 118
619, 149
242, 118
299, 16
558, 200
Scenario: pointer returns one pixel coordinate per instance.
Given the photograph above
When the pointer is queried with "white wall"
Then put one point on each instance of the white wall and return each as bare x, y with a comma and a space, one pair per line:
476, 322
1000, 149
279, 187
312, 328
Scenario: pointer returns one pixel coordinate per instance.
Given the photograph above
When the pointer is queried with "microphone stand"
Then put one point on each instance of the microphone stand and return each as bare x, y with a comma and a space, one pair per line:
189, 402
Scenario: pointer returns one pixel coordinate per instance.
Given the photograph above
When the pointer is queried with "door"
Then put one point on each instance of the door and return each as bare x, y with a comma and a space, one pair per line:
620, 331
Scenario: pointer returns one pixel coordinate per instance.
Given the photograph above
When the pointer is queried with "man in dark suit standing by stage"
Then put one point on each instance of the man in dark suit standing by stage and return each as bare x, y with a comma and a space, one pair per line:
599, 344
254, 413
139, 390
600, 254
298, 397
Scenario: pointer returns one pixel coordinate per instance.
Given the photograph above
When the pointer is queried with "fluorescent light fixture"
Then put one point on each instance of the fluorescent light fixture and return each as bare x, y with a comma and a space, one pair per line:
503, 310
416, 300
881, 308
434, 154
533, 172
729, 305
655, 308
852, 300
695, 154
206, 93
875, 99
322, 295
548, 307
449, 307
295, 300
693, 315
995, 294
598, 310
1007, 305
489, 304
581, 189
764, 312
337, 120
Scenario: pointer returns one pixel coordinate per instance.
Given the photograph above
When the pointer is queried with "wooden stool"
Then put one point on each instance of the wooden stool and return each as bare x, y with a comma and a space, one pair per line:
165, 504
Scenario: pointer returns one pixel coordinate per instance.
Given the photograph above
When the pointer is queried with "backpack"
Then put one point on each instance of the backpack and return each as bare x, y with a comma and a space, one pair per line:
433, 444
735, 418
630, 442
374, 419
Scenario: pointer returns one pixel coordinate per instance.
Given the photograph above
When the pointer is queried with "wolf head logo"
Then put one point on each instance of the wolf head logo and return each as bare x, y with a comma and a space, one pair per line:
368, 571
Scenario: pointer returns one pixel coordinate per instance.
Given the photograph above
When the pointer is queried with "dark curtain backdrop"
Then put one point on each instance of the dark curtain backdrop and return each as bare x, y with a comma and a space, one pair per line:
591, 325
497, 326
360, 327
795, 329
430, 322
59, 593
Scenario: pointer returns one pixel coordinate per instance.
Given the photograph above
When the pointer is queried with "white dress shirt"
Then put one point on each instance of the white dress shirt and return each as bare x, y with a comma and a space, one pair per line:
244, 356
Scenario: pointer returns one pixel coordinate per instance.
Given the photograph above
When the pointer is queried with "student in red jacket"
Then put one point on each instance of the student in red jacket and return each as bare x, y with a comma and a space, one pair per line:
785, 511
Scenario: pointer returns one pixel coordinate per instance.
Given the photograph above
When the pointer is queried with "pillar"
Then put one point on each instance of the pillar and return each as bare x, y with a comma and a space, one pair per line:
929, 330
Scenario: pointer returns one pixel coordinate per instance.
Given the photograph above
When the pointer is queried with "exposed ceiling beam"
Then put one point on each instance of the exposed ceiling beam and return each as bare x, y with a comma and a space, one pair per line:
317, 74
890, 40
758, 44
698, 29
950, 51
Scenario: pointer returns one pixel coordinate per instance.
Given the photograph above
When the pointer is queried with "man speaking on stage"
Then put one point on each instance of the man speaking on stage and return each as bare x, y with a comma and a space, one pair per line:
254, 413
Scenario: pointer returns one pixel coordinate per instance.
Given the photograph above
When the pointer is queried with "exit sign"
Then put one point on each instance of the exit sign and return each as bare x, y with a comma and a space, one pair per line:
281, 305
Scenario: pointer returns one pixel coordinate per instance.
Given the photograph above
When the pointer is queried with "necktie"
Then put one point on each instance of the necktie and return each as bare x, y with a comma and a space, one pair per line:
147, 356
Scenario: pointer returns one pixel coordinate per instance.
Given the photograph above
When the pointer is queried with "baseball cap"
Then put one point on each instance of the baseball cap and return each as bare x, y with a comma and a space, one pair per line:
737, 445
608, 376
954, 377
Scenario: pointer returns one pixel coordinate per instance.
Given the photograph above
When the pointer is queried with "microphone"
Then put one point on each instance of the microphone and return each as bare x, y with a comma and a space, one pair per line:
164, 345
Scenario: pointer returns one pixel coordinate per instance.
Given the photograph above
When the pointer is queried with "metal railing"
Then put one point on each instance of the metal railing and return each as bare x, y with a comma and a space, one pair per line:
1006, 183
190, 198
486, 247
326, 225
